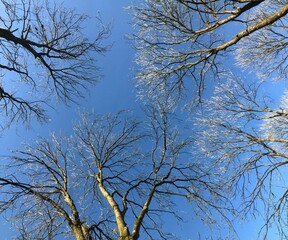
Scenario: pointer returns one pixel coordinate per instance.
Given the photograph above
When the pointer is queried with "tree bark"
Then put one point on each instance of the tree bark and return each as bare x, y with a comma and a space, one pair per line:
130, 237
81, 233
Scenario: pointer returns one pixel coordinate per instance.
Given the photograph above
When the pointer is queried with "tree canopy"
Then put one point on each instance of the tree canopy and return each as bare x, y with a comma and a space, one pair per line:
114, 178
182, 44
245, 133
123, 175
44, 52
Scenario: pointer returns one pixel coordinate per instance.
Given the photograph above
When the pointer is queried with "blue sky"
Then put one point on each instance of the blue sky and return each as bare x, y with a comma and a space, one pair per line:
114, 92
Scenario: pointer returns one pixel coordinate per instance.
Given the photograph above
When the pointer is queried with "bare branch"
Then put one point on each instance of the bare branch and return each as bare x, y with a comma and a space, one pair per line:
43, 46
182, 43
114, 178
244, 134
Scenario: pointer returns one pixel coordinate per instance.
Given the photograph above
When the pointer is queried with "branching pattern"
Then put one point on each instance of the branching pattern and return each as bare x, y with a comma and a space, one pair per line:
181, 43
114, 178
43, 48
245, 134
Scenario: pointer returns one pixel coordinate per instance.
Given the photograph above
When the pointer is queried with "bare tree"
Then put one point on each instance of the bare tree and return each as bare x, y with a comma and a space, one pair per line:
114, 178
245, 133
181, 43
45, 52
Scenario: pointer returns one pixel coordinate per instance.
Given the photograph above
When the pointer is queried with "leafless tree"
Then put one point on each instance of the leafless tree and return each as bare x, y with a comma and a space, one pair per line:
44, 53
114, 178
181, 43
245, 133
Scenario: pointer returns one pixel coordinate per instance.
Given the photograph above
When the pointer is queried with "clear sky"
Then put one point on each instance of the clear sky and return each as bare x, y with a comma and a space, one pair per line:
114, 92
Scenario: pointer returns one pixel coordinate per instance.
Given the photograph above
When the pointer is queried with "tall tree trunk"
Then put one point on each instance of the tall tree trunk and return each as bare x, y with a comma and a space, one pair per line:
125, 234
81, 233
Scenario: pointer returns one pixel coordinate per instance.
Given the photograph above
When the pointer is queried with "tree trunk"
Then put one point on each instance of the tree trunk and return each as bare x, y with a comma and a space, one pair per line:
125, 234
81, 233
130, 237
